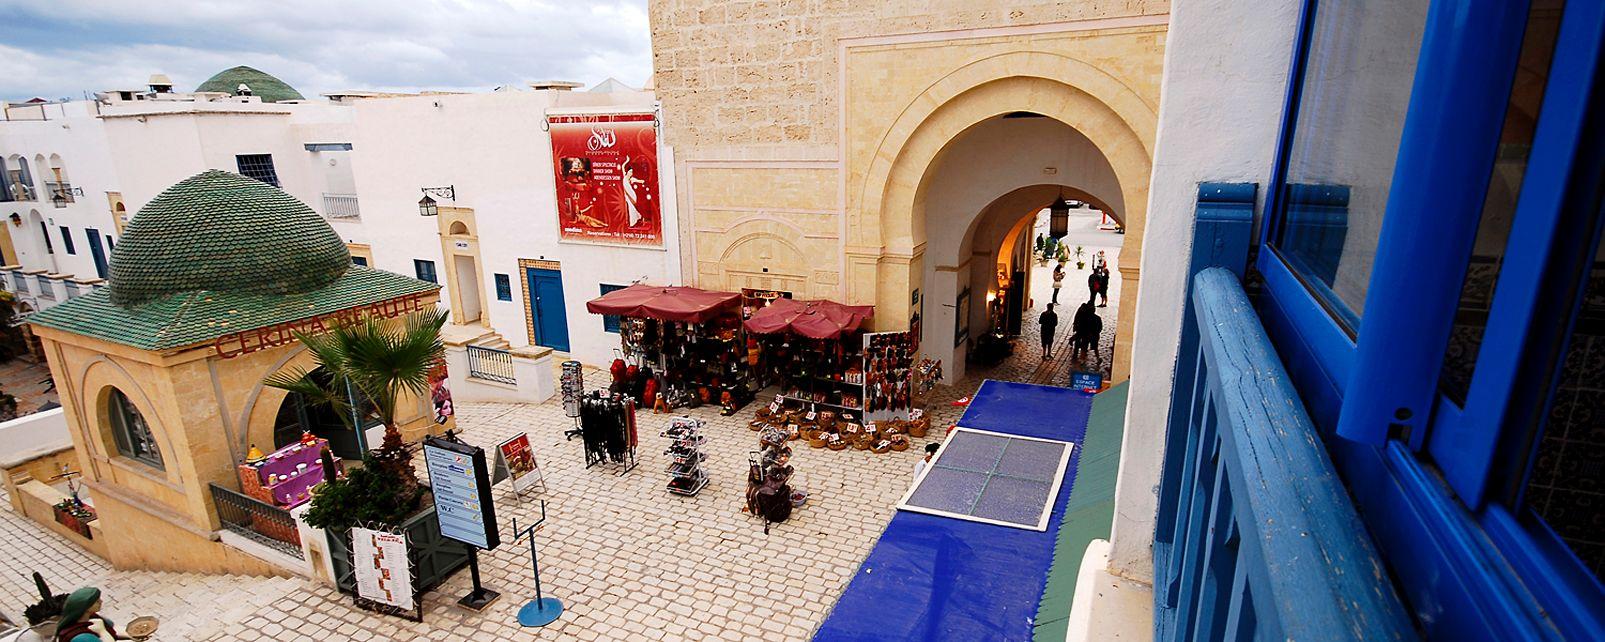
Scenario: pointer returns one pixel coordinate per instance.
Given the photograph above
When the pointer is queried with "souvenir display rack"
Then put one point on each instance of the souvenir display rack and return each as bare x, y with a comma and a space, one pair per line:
571, 383
686, 475
823, 374
607, 424
837, 431
888, 374
700, 363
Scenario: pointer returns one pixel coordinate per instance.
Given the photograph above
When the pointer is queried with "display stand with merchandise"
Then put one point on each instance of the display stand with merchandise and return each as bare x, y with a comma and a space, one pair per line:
691, 339
607, 425
686, 475
571, 384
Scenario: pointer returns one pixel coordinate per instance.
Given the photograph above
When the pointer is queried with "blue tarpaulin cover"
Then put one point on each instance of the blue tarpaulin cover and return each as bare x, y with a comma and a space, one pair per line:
939, 578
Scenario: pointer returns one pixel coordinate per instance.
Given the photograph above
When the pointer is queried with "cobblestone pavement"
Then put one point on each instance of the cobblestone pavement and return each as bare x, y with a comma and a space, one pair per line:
628, 560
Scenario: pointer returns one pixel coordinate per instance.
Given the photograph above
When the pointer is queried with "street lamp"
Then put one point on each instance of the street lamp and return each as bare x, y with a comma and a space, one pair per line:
1059, 218
59, 197
427, 207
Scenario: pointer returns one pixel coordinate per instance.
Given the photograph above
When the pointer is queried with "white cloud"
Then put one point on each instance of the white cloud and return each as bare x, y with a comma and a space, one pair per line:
62, 48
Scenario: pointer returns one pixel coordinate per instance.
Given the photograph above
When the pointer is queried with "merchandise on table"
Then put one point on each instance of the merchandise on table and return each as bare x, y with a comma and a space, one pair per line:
607, 426
285, 477
686, 475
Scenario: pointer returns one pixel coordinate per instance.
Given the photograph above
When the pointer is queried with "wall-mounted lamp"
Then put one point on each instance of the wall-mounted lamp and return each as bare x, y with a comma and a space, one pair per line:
59, 198
428, 206
16, 219
1059, 217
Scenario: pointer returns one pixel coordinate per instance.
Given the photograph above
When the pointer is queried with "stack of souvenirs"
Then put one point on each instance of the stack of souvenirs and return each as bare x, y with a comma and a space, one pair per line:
769, 492
285, 477
838, 430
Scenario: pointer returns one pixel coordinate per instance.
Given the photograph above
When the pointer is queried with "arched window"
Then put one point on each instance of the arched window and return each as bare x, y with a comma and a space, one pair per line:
21, 179
132, 434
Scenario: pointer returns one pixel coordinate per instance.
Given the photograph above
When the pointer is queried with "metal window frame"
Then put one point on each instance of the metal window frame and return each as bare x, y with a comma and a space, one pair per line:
250, 165
1475, 570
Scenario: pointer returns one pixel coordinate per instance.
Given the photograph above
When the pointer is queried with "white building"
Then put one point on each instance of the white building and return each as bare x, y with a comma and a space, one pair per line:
361, 159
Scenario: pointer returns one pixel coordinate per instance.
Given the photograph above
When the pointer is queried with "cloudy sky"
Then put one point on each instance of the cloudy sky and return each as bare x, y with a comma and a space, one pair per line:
62, 48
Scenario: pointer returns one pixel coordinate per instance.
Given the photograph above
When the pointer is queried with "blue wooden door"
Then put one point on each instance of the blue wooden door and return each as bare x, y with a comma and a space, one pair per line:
546, 306
97, 251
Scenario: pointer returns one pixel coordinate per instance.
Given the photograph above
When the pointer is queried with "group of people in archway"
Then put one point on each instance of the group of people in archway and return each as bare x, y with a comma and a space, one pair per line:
1087, 326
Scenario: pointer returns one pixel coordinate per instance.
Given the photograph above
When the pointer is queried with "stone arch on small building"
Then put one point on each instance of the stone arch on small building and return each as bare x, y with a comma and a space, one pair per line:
97, 378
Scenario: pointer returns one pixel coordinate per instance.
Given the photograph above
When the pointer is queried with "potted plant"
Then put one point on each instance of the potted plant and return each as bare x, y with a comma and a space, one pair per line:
381, 365
1081, 264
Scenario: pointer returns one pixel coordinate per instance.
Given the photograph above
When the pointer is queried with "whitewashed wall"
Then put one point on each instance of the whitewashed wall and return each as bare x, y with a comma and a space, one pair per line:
494, 150
1220, 111
75, 135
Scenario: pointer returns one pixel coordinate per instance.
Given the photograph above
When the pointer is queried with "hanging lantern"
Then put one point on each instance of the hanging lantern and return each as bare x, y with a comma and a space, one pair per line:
1059, 218
427, 207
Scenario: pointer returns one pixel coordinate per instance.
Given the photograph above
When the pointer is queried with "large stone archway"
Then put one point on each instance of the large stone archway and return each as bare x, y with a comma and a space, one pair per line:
886, 236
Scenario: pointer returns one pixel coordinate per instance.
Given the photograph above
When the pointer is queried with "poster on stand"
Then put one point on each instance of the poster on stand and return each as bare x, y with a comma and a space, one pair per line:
440, 393
606, 169
518, 459
379, 561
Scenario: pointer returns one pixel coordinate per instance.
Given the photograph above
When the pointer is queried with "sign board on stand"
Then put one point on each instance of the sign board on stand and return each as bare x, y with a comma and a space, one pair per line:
515, 460
461, 484
383, 573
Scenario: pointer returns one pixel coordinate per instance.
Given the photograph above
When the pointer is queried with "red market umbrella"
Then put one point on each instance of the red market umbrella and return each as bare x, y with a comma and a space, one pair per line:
666, 302
812, 319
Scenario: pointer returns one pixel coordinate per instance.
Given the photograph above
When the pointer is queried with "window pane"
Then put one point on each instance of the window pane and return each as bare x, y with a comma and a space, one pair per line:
504, 287
1499, 206
425, 270
610, 322
1352, 103
133, 435
259, 167
1567, 484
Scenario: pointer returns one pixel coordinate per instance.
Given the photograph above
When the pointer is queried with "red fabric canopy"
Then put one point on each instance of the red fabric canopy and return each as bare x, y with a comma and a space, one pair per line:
669, 303
812, 319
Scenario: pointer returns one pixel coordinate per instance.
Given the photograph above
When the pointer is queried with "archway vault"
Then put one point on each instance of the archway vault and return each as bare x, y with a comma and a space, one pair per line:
885, 241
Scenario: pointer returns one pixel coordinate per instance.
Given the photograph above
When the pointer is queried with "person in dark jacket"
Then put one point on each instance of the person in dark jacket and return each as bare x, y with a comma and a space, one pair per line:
1102, 273
1087, 326
1049, 322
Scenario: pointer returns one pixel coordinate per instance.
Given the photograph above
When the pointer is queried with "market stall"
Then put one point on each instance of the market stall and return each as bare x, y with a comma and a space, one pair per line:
682, 343
812, 350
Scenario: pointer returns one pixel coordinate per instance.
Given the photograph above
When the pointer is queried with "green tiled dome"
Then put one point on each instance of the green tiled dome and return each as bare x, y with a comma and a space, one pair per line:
263, 85
223, 232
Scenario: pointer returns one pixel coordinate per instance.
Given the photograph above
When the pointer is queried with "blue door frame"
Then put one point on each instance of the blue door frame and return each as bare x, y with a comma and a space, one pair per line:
548, 316
96, 251
1470, 567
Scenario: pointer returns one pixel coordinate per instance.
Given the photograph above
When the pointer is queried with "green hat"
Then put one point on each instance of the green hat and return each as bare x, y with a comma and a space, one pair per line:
78, 603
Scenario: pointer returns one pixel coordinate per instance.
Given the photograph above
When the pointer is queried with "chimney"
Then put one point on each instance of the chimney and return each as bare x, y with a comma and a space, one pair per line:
160, 84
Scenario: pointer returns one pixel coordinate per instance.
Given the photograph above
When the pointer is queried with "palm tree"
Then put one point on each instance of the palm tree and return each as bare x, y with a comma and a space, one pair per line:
380, 364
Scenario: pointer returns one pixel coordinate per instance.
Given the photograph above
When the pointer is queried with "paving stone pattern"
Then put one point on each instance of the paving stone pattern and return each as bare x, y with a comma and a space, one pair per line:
629, 560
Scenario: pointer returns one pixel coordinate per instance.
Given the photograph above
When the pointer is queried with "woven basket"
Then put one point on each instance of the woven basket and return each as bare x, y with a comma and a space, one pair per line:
881, 447
837, 445
817, 441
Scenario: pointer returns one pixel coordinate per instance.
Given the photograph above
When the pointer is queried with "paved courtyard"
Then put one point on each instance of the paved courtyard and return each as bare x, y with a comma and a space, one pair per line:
629, 560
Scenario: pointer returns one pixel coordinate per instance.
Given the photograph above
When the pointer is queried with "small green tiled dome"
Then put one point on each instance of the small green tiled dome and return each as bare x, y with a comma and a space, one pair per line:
263, 85
224, 232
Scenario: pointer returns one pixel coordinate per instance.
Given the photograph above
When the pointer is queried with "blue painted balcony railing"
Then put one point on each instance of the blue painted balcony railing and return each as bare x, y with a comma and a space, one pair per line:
1257, 538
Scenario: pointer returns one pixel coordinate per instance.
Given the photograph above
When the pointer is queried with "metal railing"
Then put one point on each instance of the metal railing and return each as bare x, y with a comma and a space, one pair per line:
268, 525
52, 188
341, 206
20, 282
46, 290
491, 364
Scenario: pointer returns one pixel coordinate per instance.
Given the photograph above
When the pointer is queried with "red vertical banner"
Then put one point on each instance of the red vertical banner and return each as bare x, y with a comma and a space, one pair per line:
607, 178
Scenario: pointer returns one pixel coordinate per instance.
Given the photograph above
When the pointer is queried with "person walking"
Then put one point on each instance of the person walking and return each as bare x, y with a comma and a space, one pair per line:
1058, 280
1086, 328
1103, 286
1049, 321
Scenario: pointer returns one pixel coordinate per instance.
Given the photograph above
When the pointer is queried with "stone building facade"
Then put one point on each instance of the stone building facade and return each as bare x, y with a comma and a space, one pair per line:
806, 132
